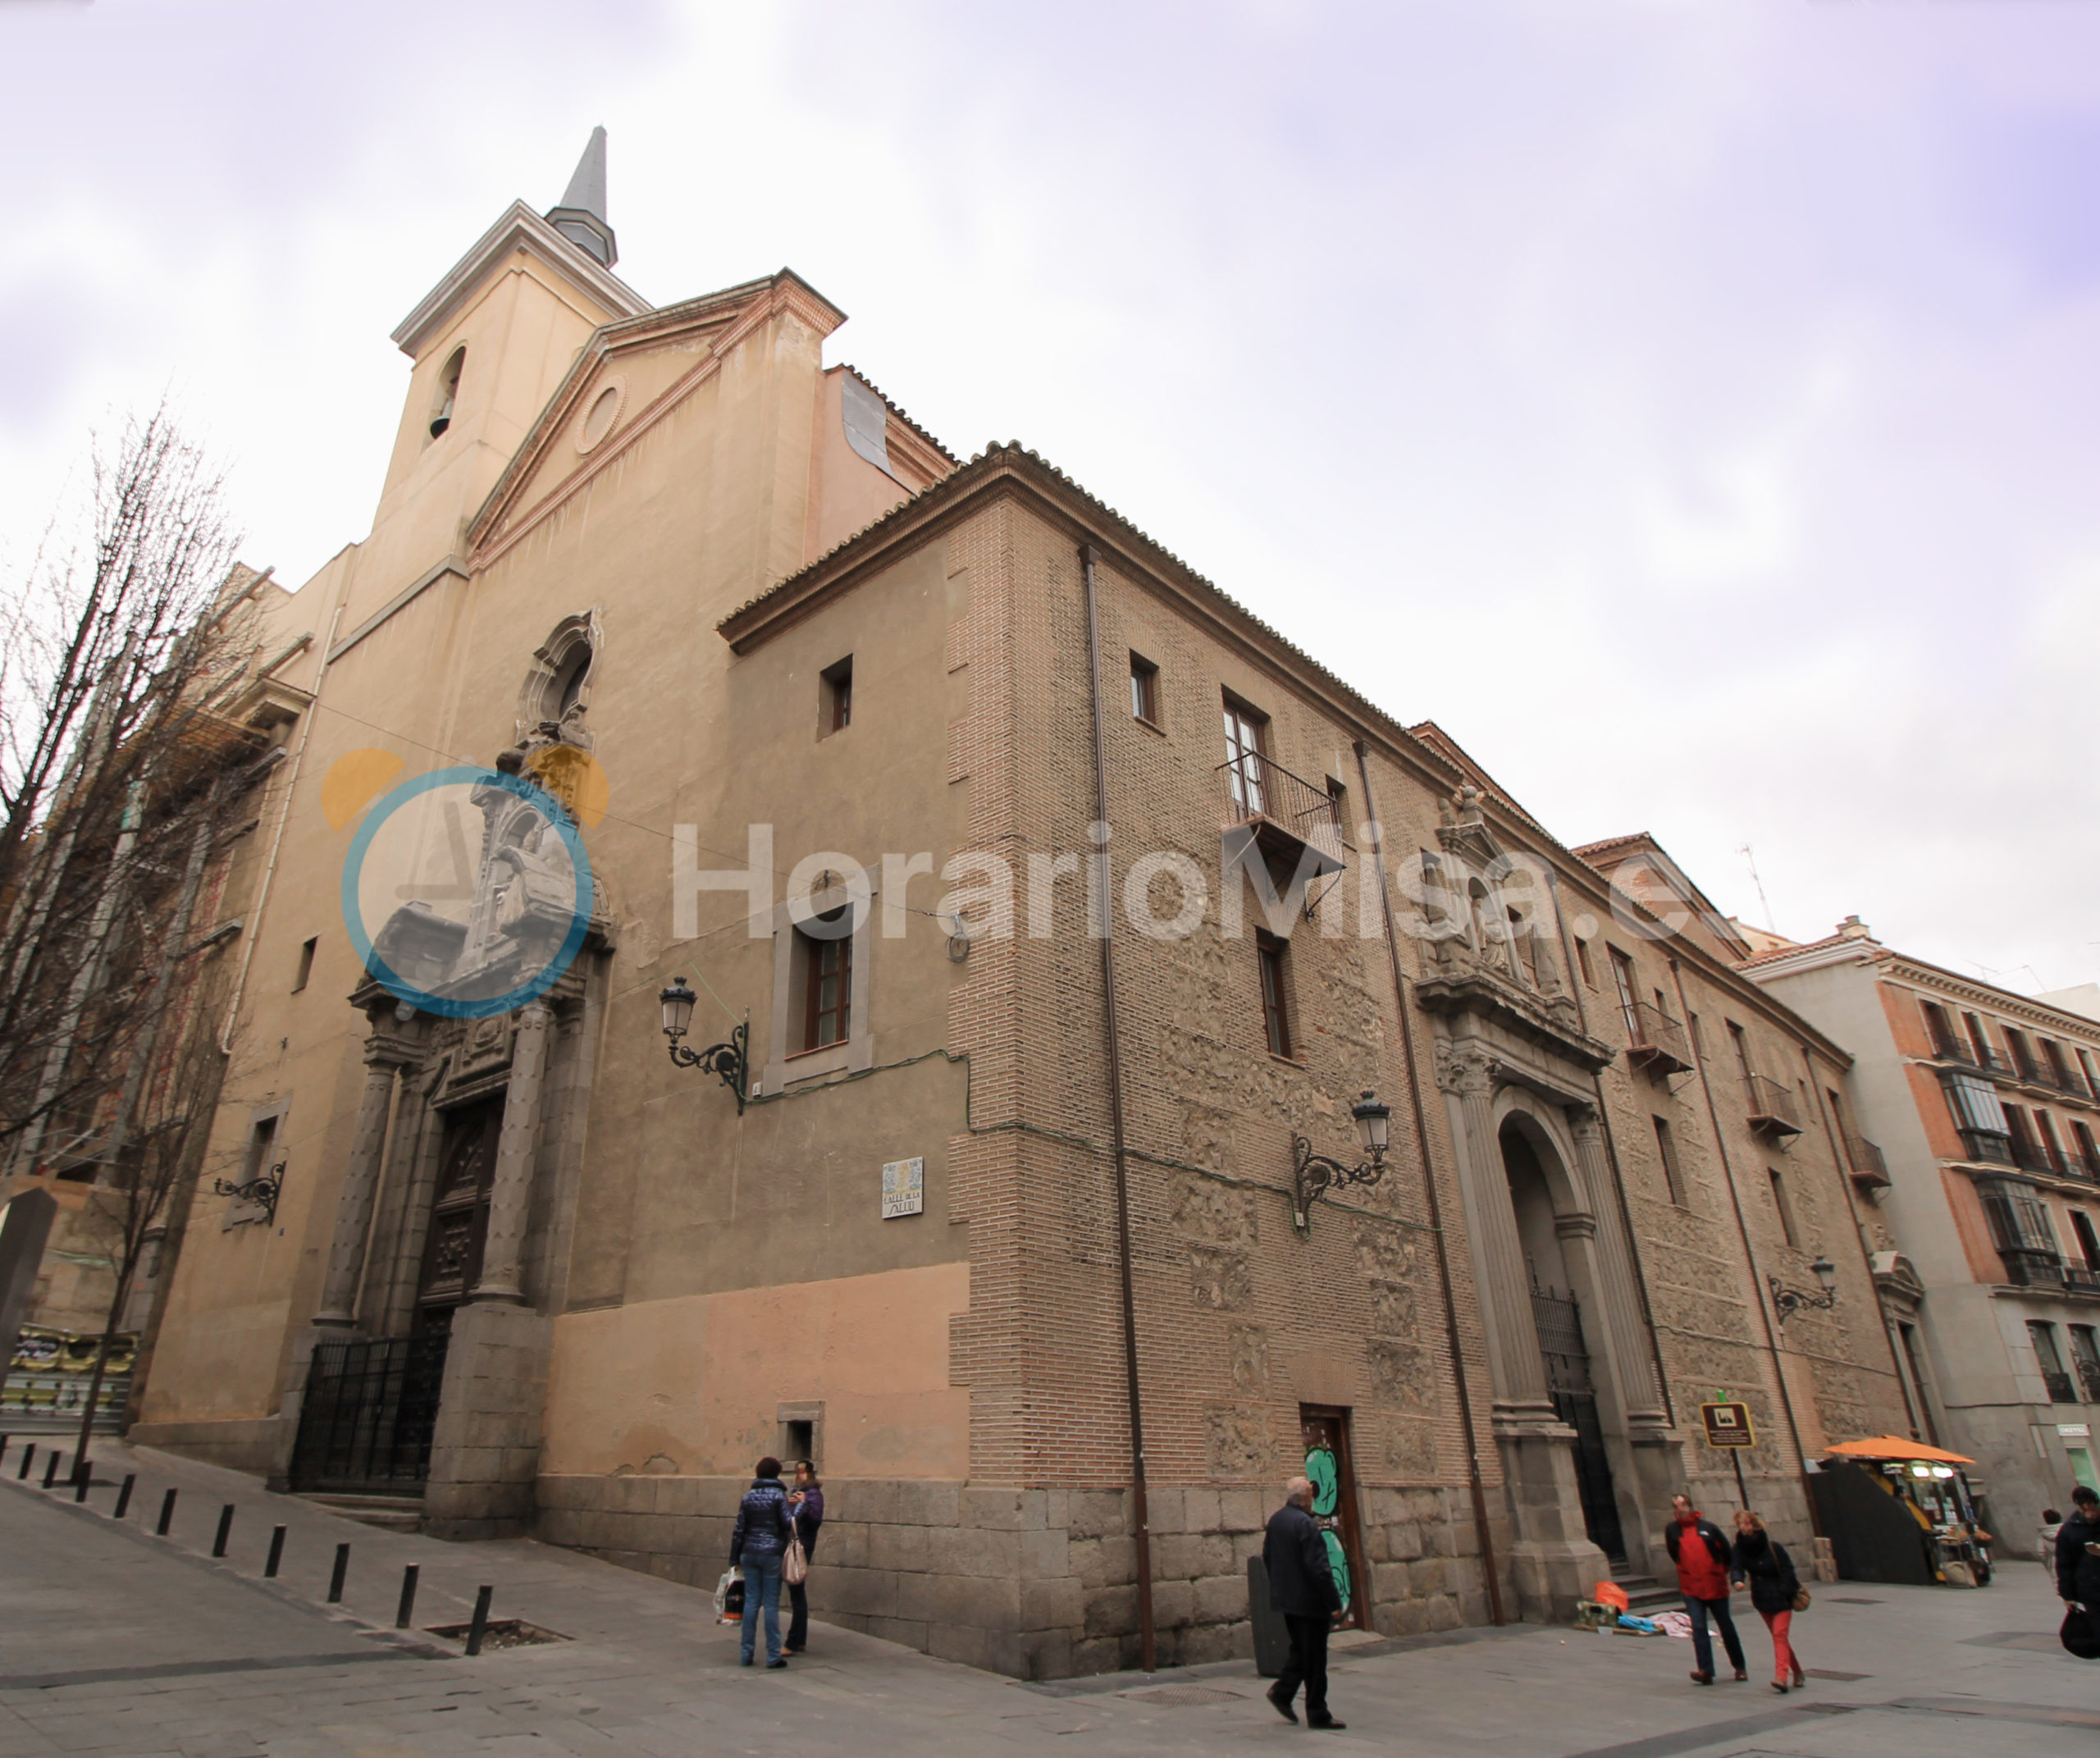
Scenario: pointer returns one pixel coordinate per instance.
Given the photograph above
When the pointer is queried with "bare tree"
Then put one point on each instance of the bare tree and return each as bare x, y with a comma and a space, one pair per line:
121, 761
108, 655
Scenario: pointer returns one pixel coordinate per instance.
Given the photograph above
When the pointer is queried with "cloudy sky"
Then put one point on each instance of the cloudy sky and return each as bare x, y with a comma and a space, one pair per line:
1691, 404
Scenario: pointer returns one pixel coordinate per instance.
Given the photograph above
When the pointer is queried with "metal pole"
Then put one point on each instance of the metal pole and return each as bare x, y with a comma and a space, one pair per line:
276, 1553
1743, 1495
335, 1580
225, 1528
1475, 1485
479, 1627
404, 1613
50, 1468
167, 1514
124, 1496
1147, 1643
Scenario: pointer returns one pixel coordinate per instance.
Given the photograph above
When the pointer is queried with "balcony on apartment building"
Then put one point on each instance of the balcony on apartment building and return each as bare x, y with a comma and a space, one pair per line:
2036, 1157
1287, 814
2029, 1267
2080, 1279
1774, 1109
1658, 1042
2089, 1374
2061, 1390
1869, 1165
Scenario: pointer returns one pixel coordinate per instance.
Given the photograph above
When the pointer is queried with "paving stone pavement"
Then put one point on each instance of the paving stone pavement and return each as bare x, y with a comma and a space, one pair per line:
113, 1640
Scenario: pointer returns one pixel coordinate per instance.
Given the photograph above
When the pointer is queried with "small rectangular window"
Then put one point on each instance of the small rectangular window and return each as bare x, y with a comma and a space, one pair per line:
1582, 962
827, 988
2088, 1241
1144, 689
1672, 1174
836, 710
1246, 757
1622, 972
305, 963
1275, 955
1784, 1205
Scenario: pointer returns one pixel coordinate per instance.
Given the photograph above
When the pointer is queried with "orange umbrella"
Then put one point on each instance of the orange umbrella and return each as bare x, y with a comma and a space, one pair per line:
1894, 1446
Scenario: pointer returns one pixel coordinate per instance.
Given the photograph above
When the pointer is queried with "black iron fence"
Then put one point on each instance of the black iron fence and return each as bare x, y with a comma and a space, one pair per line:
368, 1416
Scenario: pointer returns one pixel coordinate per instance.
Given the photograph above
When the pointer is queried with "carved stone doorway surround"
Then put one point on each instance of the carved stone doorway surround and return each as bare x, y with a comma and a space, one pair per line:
1494, 1081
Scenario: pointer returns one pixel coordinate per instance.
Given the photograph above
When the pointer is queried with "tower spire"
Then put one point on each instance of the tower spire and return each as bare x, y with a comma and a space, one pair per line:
580, 215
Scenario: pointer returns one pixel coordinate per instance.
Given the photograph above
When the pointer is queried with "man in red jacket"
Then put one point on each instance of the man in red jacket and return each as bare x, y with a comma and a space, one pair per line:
1700, 1549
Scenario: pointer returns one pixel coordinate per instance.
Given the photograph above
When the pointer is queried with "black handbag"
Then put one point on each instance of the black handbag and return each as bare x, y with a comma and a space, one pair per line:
2081, 1633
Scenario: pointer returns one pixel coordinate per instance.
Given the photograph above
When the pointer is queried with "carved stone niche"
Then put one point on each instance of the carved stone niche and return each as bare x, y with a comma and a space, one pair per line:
1482, 971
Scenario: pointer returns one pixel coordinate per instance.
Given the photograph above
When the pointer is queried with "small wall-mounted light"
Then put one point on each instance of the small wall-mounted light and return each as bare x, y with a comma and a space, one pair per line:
730, 1059
1314, 1174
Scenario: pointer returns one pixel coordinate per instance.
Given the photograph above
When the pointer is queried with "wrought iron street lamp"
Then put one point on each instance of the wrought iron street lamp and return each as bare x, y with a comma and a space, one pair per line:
730, 1059
1314, 1174
1788, 1301
262, 1191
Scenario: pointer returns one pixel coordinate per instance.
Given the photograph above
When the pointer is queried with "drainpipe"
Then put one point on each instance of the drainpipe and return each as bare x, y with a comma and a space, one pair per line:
1473, 1479
1749, 1251
1148, 1652
1843, 1158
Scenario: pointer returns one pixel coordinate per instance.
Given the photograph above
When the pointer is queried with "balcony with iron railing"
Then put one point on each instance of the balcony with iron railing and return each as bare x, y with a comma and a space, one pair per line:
1987, 1147
2082, 1165
2090, 1374
2080, 1279
2036, 1157
1287, 813
1948, 1049
1870, 1167
2060, 1389
2026, 1267
1659, 1042
1773, 1107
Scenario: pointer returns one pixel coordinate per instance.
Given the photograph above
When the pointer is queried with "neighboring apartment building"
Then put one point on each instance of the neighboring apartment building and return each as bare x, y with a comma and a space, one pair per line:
846, 727
1985, 1195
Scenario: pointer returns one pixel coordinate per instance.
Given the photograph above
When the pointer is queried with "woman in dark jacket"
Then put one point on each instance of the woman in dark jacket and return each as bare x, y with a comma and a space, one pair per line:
1759, 1560
805, 1503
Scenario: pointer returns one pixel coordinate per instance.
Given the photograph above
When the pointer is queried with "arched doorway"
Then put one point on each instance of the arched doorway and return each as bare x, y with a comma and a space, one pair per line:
1558, 1315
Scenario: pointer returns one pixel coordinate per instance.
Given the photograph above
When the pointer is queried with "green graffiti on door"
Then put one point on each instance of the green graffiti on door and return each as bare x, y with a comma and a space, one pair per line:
1326, 1478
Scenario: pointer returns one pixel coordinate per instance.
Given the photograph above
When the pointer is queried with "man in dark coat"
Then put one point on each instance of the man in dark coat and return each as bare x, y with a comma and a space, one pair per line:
1700, 1550
2078, 1568
1302, 1587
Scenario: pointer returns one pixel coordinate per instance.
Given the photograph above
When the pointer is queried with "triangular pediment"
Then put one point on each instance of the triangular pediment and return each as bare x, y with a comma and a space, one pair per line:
628, 377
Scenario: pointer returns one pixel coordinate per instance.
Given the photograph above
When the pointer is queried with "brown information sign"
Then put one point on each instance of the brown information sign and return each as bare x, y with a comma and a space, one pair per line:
1727, 1425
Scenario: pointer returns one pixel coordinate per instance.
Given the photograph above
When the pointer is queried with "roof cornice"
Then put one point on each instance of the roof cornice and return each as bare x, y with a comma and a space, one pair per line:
1010, 470
518, 228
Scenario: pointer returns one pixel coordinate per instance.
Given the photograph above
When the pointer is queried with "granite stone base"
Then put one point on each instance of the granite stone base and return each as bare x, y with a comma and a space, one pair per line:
1032, 1583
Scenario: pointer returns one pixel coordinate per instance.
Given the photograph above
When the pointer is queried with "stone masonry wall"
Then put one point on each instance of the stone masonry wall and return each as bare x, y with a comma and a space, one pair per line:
1032, 1583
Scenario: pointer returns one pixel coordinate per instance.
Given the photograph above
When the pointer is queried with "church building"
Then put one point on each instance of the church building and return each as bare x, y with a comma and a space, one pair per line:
1112, 1062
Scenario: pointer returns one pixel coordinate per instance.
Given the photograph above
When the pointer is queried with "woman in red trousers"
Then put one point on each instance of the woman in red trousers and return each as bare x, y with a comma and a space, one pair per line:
1758, 1559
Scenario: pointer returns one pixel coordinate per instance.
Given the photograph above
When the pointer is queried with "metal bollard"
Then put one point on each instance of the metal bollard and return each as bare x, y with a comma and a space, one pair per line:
83, 1474
405, 1612
335, 1580
29, 1459
124, 1496
276, 1553
50, 1469
167, 1514
479, 1627
4, 1439
225, 1527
